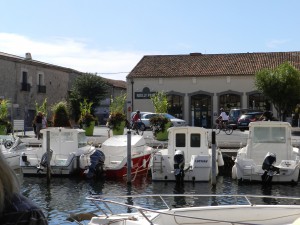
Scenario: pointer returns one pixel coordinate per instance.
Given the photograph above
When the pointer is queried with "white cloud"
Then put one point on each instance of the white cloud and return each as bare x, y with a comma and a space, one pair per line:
276, 43
71, 53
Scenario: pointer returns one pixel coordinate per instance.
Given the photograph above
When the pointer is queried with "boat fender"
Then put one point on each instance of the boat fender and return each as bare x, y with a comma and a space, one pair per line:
220, 159
45, 158
233, 172
83, 161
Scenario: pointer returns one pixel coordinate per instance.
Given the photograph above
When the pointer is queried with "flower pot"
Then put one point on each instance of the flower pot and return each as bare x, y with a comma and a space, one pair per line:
3, 130
163, 135
89, 131
119, 130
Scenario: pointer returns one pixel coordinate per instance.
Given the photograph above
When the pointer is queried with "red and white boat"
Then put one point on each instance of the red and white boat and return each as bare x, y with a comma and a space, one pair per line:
115, 152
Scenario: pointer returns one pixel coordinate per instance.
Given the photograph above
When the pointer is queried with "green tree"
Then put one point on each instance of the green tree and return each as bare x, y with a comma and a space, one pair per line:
41, 108
117, 104
160, 102
281, 85
87, 86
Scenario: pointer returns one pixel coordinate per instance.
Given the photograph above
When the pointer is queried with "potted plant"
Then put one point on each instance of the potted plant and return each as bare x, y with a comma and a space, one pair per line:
61, 116
160, 123
5, 125
117, 119
87, 120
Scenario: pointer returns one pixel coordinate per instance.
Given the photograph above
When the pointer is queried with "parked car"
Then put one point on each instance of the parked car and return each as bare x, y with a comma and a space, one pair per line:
234, 115
245, 119
145, 118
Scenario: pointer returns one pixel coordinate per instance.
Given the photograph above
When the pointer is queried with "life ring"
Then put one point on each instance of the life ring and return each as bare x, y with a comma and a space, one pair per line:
233, 172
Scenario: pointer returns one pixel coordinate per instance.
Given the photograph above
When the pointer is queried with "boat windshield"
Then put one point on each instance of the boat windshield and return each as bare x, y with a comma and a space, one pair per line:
269, 135
82, 139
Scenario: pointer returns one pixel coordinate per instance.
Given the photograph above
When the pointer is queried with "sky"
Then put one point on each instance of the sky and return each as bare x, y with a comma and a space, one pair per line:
110, 37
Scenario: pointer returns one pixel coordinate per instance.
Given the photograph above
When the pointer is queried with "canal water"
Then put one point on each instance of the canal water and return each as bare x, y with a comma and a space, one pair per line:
65, 196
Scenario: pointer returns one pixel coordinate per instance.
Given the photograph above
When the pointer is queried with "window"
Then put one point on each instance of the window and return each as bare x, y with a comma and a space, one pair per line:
269, 135
195, 140
25, 86
180, 140
41, 83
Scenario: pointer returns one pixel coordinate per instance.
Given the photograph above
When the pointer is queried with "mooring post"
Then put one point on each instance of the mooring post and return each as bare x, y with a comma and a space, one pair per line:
213, 159
128, 157
48, 157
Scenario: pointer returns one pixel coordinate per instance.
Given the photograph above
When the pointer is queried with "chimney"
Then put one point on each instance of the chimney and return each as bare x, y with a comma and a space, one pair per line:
195, 53
28, 56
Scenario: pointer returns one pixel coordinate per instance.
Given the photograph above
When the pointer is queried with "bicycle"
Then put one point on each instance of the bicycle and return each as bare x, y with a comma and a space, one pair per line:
227, 128
138, 127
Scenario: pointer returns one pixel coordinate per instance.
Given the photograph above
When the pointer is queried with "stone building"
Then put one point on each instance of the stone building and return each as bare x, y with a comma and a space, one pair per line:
25, 81
198, 85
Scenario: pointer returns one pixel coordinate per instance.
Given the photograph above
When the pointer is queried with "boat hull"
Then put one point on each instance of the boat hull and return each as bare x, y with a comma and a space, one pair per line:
139, 167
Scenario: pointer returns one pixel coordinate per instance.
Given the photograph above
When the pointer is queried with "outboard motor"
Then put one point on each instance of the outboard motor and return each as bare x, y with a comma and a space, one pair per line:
44, 160
269, 169
97, 162
179, 166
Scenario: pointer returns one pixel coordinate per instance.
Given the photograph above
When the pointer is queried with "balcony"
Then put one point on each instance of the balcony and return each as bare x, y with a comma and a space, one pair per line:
25, 87
41, 89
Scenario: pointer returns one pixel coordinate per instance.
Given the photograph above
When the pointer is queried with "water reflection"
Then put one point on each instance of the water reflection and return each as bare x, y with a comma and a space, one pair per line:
179, 200
65, 196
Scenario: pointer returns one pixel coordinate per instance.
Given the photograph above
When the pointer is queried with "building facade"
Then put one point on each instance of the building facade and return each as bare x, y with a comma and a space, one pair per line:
198, 85
25, 81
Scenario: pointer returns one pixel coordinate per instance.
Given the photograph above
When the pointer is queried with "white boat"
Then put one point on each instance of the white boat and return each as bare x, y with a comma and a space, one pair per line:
69, 153
11, 148
188, 156
269, 155
206, 209
114, 151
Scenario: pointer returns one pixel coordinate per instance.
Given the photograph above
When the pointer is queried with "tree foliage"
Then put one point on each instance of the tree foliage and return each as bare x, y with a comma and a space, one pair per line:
281, 85
160, 102
117, 104
87, 86
60, 115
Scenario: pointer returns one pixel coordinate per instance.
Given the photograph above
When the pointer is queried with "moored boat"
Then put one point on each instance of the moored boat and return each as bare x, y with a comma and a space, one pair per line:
188, 156
67, 147
12, 147
269, 155
205, 209
115, 153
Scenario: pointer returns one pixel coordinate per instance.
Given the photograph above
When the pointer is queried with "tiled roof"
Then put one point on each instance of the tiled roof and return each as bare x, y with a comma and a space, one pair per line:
23, 60
115, 83
197, 64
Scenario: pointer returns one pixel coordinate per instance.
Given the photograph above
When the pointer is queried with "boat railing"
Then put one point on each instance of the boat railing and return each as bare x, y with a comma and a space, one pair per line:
251, 200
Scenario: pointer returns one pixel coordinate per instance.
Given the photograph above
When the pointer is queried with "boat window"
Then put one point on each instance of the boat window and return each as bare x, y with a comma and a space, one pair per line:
67, 137
82, 140
195, 140
269, 135
180, 140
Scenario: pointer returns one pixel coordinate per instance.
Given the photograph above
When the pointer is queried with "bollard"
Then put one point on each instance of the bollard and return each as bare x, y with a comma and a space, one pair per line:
48, 157
128, 157
213, 159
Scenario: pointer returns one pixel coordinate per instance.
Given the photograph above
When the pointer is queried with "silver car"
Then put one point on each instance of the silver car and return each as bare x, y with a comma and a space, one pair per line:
145, 118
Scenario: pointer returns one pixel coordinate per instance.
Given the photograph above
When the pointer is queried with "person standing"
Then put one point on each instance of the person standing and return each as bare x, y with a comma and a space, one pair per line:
14, 207
38, 124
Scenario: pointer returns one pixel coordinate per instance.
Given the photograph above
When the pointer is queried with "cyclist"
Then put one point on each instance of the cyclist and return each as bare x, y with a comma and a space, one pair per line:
135, 119
223, 118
